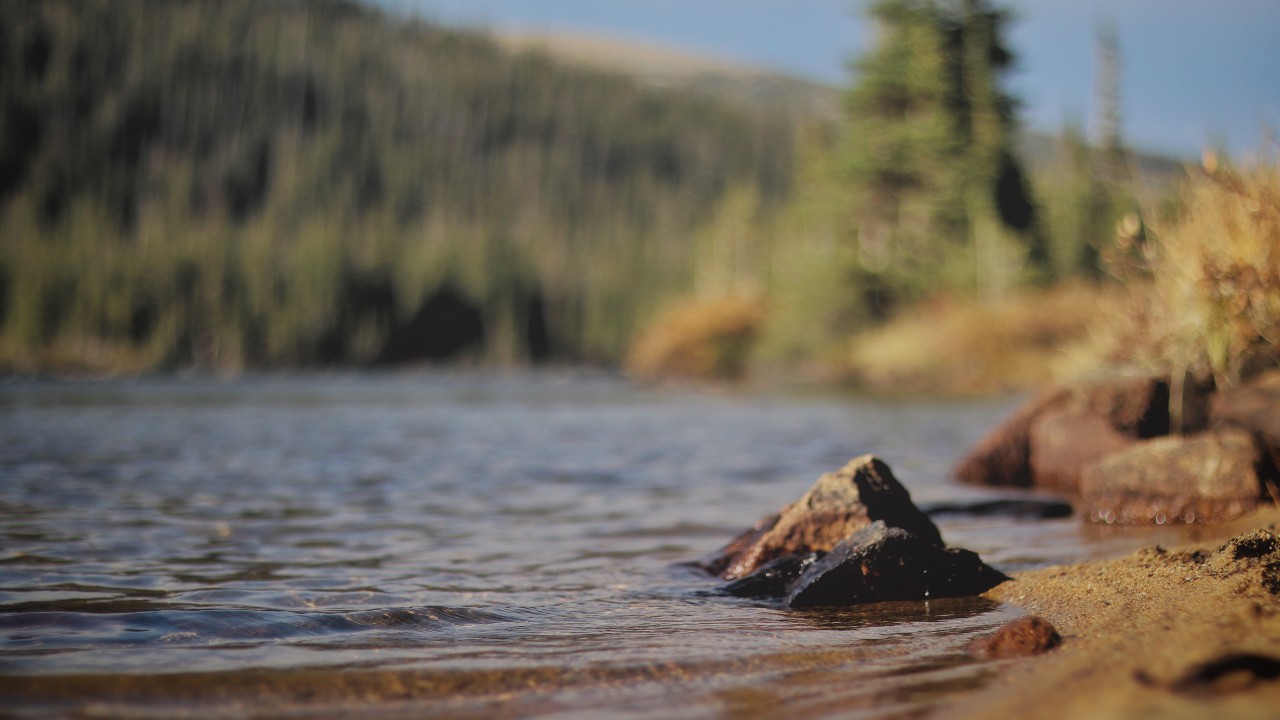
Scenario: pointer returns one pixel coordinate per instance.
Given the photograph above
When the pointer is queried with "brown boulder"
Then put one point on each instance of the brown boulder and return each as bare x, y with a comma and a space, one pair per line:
1064, 443
1024, 637
1202, 478
1255, 408
1134, 407
1003, 457
837, 505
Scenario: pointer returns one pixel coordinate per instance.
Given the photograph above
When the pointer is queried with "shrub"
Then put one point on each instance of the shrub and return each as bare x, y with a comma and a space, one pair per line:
965, 346
704, 339
1212, 306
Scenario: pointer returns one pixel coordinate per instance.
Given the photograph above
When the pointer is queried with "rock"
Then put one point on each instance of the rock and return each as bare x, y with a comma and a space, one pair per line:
1134, 407
837, 505
1063, 443
1024, 508
719, 563
1003, 457
1202, 478
1255, 408
1024, 637
772, 579
881, 563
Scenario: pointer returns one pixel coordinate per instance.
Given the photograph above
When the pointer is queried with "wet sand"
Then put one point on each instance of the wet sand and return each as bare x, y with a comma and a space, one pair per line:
1188, 631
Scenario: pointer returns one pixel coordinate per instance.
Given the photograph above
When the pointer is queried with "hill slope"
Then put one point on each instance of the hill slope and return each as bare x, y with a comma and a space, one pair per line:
230, 183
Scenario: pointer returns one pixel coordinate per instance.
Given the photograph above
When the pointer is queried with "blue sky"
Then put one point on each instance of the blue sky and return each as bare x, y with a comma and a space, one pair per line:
1195, 73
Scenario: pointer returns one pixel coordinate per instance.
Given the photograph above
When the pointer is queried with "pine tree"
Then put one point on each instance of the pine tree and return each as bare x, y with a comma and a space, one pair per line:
941, 197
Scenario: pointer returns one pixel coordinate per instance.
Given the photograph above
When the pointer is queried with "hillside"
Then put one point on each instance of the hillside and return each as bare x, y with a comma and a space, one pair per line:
222, 185
664, 66
254, 183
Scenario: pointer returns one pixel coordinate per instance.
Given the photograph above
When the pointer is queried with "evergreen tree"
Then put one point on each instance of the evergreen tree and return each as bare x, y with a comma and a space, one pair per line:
941, 197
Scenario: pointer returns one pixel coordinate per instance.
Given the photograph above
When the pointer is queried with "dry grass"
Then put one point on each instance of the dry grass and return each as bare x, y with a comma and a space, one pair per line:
704, 339
955, 347
1212, 306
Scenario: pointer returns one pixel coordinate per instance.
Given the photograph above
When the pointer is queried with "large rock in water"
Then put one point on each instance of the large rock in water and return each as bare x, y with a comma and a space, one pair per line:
1201, 478
1134, 407
1064, 443
881, 563
839, 504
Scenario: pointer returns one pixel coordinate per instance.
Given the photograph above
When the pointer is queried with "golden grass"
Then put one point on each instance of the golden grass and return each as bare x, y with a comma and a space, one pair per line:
1212, 305
702, 339
952, 346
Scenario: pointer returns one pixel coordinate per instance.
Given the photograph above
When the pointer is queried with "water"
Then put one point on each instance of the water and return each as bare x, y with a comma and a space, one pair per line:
458, 545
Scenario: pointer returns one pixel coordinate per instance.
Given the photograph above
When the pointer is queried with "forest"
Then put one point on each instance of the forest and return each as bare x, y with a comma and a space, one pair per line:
270, 184
225, 185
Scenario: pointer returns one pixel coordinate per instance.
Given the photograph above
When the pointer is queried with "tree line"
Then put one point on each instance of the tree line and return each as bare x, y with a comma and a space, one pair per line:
281, 183
232, 183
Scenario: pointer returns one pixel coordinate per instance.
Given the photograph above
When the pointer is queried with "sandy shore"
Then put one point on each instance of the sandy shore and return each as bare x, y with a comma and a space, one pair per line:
1190, 631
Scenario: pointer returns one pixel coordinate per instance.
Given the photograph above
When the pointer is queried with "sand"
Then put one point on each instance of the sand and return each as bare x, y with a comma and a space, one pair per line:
1192, 631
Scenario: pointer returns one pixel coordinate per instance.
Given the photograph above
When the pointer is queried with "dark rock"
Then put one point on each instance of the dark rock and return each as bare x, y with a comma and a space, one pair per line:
1255, 408
1011, 507
1024, 637
772, 579
1063, 443
881, 563
1203, 478
1134, 407
838, 504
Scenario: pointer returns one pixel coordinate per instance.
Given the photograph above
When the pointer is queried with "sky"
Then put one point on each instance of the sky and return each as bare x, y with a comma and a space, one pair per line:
1195, 74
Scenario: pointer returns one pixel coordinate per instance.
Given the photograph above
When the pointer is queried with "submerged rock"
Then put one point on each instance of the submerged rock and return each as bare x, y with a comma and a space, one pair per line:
837, 505
881, 563
1023, 508
772, 580
1203, 478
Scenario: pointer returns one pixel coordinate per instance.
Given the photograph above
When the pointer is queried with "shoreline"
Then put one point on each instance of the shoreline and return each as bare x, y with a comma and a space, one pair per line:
1187, 631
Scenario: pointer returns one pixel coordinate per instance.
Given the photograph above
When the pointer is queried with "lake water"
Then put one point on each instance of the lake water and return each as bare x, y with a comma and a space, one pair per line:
459, 545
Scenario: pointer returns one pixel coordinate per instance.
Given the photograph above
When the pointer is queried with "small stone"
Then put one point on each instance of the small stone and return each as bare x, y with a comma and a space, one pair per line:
881, 563
1024, 637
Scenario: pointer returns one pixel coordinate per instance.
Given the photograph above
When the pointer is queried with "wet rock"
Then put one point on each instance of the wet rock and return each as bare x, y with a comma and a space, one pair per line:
1255, 408
1064, 443
1134, 407
1203, 478
881, 563
772, 580
837, 505
1024, 637
1025, 508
